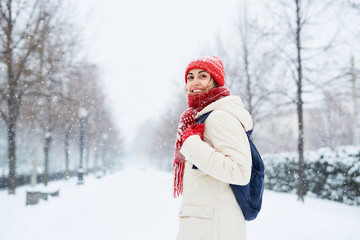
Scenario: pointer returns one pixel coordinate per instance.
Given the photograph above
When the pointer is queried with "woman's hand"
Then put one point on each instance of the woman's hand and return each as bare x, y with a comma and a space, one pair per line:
193, 130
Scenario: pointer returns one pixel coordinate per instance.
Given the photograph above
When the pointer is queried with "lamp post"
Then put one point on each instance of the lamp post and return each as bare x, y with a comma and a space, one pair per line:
82, 113
104, 157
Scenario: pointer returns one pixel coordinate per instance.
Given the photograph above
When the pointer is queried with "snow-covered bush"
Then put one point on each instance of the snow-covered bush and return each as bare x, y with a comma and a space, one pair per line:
330, 174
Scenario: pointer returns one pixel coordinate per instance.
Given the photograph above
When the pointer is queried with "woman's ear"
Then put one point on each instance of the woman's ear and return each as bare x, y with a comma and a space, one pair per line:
215, 83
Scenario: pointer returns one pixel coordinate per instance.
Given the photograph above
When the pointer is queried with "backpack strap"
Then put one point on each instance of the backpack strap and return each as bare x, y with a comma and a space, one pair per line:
203, 117
201, 120
249, 132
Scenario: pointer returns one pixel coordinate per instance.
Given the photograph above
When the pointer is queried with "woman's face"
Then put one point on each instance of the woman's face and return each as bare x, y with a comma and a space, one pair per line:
198, 82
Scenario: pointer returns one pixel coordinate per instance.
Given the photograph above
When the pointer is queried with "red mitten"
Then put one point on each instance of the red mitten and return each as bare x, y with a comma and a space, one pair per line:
193, 130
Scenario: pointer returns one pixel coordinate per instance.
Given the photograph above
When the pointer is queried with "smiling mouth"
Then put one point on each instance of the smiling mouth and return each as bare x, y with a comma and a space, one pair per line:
196, 91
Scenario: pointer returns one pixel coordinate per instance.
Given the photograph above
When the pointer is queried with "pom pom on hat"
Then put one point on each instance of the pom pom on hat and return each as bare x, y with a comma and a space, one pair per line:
213, 65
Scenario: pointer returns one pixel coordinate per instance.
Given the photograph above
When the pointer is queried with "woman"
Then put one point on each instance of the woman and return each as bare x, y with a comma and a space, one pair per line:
210, 156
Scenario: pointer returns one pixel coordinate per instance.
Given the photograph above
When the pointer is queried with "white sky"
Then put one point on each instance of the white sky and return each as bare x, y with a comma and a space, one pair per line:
143, 47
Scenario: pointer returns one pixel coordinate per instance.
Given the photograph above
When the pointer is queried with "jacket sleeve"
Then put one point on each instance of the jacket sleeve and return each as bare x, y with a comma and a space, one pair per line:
225, 152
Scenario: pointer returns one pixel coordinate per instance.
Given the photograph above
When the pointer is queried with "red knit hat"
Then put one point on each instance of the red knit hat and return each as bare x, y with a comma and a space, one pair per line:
213, 65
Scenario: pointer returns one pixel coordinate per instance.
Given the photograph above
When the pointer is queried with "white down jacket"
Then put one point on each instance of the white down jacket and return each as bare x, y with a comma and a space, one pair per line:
209, 210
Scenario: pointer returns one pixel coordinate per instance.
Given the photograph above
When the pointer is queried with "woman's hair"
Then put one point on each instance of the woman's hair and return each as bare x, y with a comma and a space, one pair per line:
215, 83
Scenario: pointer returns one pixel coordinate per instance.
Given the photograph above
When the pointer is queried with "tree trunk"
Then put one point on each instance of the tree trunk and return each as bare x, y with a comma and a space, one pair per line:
87, 156
96, 160
301, 180
48, 139
67, 151
244, 38
13, 109
356, 132
33, 180
248, 79
12, 156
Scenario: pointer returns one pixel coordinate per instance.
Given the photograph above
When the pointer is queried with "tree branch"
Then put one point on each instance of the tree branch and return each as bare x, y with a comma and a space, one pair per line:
3, 115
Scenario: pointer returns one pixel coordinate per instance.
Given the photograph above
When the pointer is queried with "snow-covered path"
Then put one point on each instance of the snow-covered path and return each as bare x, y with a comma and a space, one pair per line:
138, 204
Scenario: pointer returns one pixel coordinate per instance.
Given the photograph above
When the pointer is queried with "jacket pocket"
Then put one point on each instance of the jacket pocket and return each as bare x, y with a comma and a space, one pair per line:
195, 223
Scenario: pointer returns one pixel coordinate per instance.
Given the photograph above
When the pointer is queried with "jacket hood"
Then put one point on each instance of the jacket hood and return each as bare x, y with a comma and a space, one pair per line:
232, 105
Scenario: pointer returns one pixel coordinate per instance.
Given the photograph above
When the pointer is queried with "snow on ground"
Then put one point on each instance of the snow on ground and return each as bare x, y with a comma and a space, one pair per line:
137, 204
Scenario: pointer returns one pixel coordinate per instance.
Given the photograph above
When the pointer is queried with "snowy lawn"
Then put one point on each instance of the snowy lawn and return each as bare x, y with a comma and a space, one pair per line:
138, 204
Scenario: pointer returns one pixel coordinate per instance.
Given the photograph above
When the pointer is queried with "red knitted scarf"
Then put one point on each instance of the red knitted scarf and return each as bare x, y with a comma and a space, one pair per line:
196, 104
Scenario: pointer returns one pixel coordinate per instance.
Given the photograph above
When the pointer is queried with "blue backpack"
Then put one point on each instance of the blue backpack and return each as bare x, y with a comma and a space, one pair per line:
249, 197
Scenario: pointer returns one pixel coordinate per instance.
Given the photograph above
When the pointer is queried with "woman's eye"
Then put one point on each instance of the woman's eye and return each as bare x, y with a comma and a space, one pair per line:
203, 76
190, 78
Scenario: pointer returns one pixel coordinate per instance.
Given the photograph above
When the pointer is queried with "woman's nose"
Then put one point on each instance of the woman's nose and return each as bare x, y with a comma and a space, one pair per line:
195, 81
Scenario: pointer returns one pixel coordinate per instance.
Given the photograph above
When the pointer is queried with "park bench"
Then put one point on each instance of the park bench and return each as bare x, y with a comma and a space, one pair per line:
33, 197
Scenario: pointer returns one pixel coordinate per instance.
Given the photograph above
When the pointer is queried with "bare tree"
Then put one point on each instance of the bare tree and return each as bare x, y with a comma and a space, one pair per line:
103, 138
20, 25
356, 123
45, 85
299, 97
354, 4
290, 44
50, 81
249, 62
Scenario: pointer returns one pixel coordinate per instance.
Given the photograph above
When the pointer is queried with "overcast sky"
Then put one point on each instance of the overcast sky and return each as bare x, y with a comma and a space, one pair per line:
142, 47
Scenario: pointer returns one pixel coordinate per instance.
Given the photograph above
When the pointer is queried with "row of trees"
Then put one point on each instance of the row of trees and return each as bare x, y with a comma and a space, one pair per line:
292, 62
44, 83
